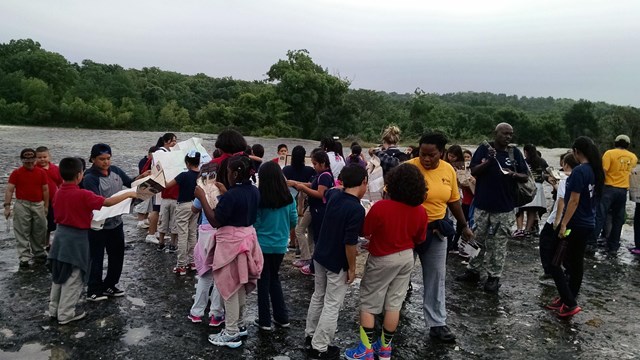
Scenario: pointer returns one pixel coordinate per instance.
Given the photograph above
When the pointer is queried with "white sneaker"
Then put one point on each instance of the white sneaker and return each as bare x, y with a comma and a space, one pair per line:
75, 318
142, 224
152, 239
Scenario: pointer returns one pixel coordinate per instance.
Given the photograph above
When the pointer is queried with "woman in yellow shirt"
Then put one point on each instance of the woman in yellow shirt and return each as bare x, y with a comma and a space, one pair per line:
443, 193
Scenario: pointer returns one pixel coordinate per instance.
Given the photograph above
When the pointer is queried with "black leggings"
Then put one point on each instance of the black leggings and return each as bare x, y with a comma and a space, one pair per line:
568, 282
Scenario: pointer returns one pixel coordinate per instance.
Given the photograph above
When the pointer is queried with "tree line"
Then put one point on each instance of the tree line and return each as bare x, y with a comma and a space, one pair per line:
298, 98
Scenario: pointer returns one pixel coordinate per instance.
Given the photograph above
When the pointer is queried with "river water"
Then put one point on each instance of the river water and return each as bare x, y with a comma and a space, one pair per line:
150, 322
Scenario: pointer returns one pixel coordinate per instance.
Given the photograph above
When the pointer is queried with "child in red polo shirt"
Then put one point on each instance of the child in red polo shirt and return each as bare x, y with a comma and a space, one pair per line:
69, 255
53, 181
30, 210
394, 227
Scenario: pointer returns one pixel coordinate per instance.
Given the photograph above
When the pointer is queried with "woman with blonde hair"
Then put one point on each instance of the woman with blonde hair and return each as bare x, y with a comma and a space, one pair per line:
389, 154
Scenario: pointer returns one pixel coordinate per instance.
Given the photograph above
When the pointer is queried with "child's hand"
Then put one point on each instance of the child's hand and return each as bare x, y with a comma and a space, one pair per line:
7, 212
351, 276
199, 194
221, 187
292, 183
133, 194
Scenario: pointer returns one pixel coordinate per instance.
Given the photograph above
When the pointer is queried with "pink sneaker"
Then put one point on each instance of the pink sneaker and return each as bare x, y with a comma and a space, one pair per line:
216, 321
180, 270
306, 270
195, 319
635, 251
192, 267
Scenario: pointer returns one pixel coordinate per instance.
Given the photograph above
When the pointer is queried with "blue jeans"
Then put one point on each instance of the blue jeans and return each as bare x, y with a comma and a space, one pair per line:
613, 199
270, 292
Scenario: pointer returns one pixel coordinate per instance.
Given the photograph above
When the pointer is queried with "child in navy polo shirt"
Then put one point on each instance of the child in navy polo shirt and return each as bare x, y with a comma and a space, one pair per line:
394, 226
186, 220
69, 255
32, 203
335, 260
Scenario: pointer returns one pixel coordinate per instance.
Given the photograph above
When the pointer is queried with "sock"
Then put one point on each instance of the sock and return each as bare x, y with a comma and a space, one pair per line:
366, 336
386, 337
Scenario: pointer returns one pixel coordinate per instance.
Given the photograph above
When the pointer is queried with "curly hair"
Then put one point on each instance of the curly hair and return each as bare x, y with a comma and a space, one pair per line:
406, 184
435, 138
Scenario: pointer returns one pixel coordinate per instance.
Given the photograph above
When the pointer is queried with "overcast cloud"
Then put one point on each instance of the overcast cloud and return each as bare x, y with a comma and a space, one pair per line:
571, 48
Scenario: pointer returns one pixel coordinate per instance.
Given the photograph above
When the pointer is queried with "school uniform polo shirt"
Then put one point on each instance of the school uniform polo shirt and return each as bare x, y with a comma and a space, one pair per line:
74, 207
238, 206
29, 183
54, 180
342, 224
394, 226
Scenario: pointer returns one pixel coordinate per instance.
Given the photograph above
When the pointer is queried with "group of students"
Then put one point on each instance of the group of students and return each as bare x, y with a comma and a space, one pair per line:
244, 231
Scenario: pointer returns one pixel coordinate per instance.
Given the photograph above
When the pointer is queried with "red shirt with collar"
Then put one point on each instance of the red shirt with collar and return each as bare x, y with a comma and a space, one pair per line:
393, 226
74, 207
54, 180
28, 183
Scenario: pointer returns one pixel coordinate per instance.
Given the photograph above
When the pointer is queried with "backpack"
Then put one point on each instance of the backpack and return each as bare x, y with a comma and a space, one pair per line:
524, 192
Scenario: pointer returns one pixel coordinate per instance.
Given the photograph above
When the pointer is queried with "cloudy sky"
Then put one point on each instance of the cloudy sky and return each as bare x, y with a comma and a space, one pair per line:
562, 48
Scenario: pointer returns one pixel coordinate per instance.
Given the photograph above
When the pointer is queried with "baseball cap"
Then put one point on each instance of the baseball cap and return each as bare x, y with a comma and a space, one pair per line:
27, 154
99, 149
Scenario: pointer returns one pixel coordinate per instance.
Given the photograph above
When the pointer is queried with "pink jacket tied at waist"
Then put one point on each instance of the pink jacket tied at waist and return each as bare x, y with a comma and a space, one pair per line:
203, 251
237, 260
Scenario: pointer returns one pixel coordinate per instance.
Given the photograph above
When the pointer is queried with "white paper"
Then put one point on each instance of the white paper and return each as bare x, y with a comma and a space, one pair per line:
634, 185
115, 210
194, 143
172, 162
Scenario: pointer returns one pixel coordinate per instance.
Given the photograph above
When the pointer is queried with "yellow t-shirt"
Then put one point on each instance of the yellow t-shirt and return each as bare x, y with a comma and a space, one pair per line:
617, 165
442, 186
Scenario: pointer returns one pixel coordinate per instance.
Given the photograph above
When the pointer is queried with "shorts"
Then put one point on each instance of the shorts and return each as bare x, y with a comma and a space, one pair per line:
167, 223
385, 282
156, 201
144, 207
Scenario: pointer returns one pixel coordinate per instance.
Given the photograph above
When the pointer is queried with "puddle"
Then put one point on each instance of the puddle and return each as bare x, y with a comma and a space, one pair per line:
33, 351
133, 336
136, 301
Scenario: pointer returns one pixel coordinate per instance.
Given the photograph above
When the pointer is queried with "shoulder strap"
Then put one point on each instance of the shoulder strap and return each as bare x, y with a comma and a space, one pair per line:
511, 156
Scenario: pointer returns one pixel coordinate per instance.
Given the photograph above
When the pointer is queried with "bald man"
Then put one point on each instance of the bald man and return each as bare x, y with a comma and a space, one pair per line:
496, 176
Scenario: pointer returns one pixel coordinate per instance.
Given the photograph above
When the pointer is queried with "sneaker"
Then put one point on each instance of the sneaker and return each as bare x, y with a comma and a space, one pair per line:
172, 249
612, 253
24, 264
333, 352
359, 352
195, 319
216, 321
298, 253
284, 325
469, 276
223, 338
546, 279
566, 311
161, 247
192, 267
442, 333
243, 331
113, 292
261, 327
96, 297
492, 285
555, 304
75, 318
518, 234
301, 263
152, 239
307, 342
589, 250
180, 270
383, 352
306, 270
142, 224
635, 251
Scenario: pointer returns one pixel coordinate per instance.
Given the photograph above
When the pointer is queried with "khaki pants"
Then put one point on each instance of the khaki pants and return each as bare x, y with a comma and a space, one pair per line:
187, 225
305, 242
324, 308
30, 227
234, 310
64, 297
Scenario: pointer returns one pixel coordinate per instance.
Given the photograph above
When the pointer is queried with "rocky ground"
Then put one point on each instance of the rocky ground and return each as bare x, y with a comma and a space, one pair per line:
150, 321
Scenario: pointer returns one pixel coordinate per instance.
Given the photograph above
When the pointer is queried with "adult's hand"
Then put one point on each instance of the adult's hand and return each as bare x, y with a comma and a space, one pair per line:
467, 234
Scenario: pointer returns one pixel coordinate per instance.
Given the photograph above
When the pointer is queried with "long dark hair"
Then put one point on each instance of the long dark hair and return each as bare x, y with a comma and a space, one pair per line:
456, 150
165, 139
274, 192
354, 158
297, 156
533, 159
321, 157
590, 151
